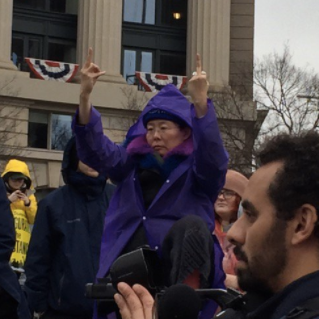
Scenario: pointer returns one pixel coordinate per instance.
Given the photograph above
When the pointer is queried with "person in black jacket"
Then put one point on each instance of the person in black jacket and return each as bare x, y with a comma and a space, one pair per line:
12, 301
64, 249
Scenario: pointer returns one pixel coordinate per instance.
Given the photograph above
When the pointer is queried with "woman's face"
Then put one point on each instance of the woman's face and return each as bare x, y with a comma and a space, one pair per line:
226, 205
16, 183
163, 135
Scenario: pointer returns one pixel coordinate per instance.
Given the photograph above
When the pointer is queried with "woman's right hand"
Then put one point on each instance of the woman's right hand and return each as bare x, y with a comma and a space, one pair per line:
198, 88
90, 72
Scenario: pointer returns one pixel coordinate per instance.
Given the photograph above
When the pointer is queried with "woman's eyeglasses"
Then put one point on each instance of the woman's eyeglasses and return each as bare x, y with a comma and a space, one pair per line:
227, 194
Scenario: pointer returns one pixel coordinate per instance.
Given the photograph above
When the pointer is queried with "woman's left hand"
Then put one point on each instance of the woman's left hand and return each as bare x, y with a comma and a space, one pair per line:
198, 85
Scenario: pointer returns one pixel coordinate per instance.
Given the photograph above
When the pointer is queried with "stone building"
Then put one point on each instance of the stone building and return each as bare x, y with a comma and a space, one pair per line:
157, 36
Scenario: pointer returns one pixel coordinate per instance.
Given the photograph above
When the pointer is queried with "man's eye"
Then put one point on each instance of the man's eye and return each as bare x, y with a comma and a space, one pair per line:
250, 216
149, 129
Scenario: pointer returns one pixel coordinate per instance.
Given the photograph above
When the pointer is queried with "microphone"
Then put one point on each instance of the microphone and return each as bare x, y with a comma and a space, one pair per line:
178, 302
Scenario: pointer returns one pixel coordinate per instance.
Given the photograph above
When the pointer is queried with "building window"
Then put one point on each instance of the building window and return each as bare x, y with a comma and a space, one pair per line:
61, 131
139, 11
49, 130
40, 31
17, 53
31, 46
35, 4
24, 45
136, 60
154, 37
159, 12
174, 13
38, 130
59, 6
62, 51
173, 63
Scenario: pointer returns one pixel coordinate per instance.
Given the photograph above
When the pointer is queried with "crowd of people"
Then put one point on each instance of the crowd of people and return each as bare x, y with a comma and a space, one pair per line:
167, 187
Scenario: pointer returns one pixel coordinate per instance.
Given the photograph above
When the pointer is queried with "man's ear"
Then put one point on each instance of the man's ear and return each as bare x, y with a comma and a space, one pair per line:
304, 223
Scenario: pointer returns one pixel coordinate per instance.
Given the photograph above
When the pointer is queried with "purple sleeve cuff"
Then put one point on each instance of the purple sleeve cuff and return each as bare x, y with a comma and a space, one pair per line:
94, 119
211, 158
96, 150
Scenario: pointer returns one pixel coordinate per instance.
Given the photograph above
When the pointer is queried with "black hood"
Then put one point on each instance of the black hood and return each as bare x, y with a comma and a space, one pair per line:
70, 160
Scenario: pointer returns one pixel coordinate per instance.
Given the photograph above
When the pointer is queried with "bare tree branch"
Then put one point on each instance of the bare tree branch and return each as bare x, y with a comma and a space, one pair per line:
286, 95
11, 121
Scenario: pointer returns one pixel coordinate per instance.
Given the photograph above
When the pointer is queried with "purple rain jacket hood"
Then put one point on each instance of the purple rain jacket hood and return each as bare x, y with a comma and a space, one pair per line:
170, 100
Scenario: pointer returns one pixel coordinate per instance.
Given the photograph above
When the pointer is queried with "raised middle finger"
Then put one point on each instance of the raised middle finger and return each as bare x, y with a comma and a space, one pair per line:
198, 64
89, 58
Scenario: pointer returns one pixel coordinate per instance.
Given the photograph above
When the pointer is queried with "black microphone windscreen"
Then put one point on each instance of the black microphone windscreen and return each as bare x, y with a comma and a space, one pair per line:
179, 302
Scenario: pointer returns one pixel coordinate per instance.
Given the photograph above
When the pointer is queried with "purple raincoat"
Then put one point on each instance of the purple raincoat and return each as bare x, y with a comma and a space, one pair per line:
191, 188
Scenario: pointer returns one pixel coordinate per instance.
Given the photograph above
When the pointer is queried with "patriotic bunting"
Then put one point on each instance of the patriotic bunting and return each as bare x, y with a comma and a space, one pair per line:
153, 82
51, 70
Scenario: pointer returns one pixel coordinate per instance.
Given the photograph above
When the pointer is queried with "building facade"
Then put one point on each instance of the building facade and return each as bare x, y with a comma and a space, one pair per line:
156, 36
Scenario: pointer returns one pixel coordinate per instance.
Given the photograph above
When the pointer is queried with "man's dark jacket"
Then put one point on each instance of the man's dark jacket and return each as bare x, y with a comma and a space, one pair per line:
8, 279
65, 244
295, 294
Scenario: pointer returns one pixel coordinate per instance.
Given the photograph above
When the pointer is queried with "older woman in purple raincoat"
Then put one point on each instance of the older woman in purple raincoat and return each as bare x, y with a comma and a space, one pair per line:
173, 165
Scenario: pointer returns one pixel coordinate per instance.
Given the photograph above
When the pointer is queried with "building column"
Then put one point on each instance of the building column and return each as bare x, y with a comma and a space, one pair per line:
100, 27
208, 34
6, 12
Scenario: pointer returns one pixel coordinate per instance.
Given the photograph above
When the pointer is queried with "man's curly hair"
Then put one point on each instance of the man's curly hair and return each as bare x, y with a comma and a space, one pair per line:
297, 183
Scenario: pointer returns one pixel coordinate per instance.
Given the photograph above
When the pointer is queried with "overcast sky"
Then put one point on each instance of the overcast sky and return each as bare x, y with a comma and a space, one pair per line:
295, 22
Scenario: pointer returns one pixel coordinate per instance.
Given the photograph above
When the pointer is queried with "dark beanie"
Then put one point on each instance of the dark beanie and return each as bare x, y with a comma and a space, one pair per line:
157, 114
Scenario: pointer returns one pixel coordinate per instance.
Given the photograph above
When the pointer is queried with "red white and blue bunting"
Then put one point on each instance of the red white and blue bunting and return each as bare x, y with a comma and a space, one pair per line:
153, 82
52, 70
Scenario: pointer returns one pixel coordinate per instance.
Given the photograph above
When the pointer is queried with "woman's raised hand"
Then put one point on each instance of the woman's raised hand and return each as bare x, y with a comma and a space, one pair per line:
198, 87
90, 72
